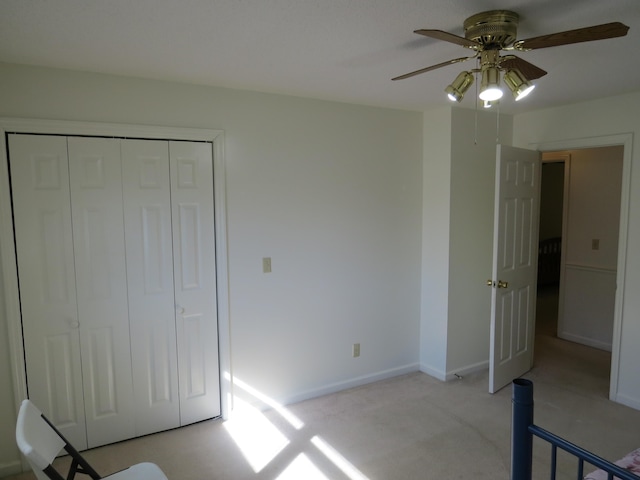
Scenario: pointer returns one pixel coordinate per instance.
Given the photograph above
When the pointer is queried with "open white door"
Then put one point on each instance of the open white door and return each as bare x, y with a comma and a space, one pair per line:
515, 259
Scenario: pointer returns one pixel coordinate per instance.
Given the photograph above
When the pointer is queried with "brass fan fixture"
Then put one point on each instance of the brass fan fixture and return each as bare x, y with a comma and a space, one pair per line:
490, 33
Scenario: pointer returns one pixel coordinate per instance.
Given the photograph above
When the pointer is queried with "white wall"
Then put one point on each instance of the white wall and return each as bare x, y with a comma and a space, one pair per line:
458, 204
436, 206
9, 457
595, 184
589, 120
589, 276
471, 250
331, 192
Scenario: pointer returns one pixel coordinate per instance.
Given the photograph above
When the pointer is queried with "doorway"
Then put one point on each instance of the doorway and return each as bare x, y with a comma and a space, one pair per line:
550, 243
580, 213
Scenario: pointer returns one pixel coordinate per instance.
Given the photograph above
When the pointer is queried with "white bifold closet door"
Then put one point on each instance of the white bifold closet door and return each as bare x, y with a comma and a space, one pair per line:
95, 175
168, 197
195, 280
116, 264
147, 215
70, 248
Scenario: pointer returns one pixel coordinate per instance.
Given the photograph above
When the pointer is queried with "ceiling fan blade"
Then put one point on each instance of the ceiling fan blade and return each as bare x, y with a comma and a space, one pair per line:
447, 37
587, 34
432, 67
529, 70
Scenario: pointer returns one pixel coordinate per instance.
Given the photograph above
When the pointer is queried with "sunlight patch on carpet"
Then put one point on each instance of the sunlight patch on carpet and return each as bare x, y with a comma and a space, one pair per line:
302, 467
258, 439
262, 443
338, 460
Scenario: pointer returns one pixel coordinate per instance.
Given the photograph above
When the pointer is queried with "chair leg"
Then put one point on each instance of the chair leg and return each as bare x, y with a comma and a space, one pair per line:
52, 473
79, 464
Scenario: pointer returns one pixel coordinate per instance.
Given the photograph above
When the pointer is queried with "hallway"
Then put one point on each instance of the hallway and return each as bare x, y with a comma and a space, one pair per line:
588, 367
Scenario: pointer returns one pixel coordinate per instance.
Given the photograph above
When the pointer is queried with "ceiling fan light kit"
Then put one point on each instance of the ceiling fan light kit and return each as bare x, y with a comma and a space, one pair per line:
488, 34
518, 84
490, 86
459, 86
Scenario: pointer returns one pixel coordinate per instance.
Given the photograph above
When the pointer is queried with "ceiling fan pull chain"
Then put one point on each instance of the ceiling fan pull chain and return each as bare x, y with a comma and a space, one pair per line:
498, 125
475, 133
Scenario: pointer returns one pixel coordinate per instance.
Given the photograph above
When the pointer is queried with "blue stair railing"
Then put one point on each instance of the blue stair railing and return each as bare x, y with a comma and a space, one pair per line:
523, 430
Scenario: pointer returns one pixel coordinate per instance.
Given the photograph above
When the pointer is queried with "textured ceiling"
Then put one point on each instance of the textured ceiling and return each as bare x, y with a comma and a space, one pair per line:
343, 50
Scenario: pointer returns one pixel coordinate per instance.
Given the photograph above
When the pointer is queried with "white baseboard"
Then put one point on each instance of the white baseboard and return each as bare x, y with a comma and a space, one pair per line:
628, 401
10, 468
468, 370
455, 374
589, 342
353, 382
434, 372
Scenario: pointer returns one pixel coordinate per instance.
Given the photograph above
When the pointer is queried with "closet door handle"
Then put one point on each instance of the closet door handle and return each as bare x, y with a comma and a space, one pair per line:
179, 309
73, 323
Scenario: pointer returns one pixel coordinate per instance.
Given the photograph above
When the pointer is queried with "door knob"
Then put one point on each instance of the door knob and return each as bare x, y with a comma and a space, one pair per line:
489, 283
502, 284
179, 309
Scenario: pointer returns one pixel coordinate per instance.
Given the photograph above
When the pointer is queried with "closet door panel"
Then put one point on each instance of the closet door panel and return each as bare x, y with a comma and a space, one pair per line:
195, 282
44, 247
150, 281
98, 232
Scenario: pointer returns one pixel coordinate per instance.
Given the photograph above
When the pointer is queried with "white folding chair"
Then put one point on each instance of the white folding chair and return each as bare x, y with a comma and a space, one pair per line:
40, 442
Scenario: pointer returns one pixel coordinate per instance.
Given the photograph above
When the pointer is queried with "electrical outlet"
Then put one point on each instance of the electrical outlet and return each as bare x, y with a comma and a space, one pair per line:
266, 265
356, 350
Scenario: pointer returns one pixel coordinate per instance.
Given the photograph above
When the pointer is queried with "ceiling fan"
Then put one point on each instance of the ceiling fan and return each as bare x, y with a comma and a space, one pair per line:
489, 34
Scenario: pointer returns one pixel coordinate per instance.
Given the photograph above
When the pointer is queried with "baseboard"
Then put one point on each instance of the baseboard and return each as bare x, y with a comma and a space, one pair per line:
628, 401
455, 374
468, 370
10, 468
353, 382
589, 342
433, 372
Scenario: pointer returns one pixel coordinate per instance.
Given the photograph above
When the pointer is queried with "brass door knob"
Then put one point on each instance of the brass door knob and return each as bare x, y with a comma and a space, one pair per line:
502, 284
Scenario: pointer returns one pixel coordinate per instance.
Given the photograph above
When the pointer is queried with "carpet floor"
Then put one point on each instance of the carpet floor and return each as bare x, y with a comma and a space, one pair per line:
408, 427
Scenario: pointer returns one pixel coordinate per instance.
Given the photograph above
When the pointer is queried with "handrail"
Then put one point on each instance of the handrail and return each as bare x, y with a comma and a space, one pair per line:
584, 455
523, 430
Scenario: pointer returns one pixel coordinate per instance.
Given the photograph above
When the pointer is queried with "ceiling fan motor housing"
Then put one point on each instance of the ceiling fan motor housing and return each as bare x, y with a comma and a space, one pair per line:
494, 29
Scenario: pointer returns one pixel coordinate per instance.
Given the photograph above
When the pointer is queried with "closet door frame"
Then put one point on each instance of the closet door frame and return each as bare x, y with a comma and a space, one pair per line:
8, 262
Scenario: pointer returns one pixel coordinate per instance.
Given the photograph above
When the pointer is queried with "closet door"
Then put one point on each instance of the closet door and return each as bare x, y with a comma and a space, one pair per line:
195, 280
116, 262
44, 247
101, 283
147, 202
